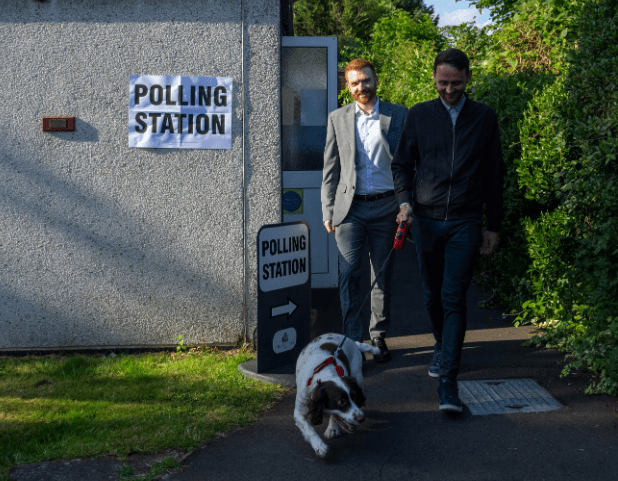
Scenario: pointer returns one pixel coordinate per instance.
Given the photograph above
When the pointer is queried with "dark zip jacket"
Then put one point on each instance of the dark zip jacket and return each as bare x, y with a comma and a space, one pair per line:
448, 173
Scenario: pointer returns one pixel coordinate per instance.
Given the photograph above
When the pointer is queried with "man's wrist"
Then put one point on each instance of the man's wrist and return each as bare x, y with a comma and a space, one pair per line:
406, 207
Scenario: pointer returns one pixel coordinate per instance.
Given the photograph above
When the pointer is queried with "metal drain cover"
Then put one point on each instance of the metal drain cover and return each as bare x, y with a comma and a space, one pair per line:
505, 396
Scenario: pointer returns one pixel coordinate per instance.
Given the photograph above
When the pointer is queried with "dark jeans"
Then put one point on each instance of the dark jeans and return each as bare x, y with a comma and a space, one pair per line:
447, 251
371, 223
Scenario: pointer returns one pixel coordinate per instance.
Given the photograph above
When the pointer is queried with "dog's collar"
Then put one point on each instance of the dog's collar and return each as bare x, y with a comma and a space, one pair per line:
328, 361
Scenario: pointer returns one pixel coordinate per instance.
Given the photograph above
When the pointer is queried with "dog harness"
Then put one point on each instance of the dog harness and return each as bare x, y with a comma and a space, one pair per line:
327, 362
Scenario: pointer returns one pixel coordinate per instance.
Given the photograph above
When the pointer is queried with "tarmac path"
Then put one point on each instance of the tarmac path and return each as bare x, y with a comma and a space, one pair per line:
405, 436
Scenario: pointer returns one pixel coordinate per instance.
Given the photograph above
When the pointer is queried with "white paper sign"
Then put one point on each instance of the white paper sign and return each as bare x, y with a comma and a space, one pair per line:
173, 112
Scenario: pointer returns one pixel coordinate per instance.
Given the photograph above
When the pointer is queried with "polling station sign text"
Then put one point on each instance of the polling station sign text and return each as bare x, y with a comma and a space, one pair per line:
284, 293
174, 112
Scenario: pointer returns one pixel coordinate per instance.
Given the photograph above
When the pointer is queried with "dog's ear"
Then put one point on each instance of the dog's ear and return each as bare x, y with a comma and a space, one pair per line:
317, 401
356, 393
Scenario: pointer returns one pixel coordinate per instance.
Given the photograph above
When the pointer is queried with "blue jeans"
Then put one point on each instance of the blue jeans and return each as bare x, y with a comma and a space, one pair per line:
447, 251
373, 223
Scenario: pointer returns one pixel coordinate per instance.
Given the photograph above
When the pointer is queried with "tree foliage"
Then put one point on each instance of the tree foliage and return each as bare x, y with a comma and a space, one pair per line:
402, 48
558, 265
549, 69
579, 179
414, 6
348, 19
353, 22
500, 9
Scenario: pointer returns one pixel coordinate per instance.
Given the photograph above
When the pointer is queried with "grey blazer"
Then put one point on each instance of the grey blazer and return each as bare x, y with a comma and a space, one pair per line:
339, 174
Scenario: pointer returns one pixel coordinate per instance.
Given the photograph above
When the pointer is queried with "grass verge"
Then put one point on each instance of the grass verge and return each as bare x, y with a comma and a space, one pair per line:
128, 474
79, 406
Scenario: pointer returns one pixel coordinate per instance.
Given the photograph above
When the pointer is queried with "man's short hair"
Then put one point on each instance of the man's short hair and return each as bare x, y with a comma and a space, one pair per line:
453, 57
359, 64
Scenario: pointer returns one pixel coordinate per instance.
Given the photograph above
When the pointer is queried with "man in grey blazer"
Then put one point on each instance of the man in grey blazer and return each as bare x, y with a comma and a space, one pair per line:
358, 201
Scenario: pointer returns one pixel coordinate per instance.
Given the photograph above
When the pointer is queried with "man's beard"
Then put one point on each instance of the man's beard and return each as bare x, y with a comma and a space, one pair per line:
370, 96
453, 100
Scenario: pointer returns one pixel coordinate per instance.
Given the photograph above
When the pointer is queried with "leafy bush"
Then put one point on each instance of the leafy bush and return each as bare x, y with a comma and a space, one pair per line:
402, 48
536, 37
342, 18
564, 167
503, 275
587, 195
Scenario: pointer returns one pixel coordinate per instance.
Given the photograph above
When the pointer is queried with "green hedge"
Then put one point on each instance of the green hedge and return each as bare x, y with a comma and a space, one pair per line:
558, 263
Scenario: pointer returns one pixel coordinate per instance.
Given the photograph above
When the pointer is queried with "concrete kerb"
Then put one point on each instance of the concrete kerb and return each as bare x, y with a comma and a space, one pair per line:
284, 375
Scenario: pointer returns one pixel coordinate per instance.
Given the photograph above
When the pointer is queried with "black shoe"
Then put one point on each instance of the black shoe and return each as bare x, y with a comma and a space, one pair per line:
449, 396
436, 360
385, 354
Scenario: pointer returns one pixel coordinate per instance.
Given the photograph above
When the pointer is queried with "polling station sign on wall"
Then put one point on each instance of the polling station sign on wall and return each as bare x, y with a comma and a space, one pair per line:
174, 112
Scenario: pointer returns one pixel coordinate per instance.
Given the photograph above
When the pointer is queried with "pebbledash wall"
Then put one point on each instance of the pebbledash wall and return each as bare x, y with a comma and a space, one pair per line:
105, 245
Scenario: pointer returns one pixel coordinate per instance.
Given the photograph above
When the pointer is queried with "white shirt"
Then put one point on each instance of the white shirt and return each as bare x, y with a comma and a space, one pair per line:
373, 168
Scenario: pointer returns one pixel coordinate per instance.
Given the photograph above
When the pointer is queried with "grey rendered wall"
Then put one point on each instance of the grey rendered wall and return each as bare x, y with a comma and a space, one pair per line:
103, 245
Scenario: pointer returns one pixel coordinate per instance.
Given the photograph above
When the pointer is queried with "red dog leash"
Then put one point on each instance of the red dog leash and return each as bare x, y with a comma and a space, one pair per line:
398, 243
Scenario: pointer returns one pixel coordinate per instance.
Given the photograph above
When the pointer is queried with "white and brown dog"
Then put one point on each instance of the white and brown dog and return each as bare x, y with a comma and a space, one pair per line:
329, 381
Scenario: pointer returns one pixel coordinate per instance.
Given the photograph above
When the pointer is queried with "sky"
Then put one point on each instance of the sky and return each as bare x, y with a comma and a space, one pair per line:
454, 13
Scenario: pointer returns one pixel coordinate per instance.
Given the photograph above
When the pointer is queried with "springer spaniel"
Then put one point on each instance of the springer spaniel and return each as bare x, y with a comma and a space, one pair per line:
329, 381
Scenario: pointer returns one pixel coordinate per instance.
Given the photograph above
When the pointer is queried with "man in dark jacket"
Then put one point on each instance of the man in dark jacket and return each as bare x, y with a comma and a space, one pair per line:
448, 164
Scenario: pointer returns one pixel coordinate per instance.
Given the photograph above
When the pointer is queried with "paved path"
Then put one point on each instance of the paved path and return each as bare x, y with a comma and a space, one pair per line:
405, 436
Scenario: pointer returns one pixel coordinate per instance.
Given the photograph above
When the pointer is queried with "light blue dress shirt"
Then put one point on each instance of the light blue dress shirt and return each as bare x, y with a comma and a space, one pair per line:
455, 111
373, 168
